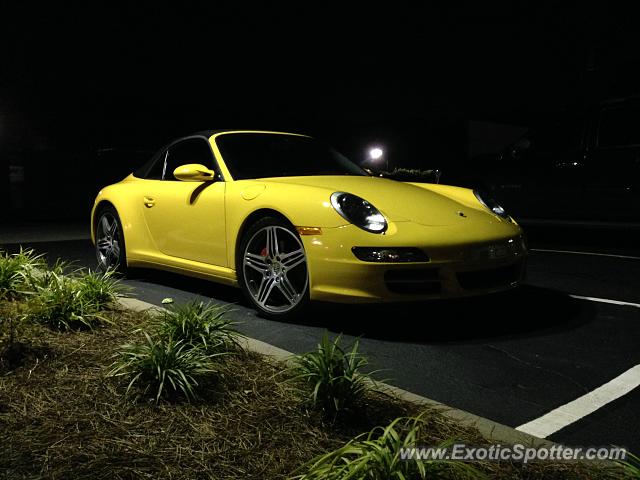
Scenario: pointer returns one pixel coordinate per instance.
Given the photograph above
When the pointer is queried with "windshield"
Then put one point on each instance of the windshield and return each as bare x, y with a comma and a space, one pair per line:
264, 155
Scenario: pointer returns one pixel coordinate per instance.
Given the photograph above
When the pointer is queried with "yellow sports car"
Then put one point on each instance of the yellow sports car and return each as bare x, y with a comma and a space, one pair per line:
288, 219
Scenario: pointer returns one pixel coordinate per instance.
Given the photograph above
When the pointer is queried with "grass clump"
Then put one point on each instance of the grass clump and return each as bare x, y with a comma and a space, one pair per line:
187, 341
101, 289
54, 295
164, 365
631, 466
61, 305
74, 301
41, 277
15, 271
333, 375
199, 324
376, 455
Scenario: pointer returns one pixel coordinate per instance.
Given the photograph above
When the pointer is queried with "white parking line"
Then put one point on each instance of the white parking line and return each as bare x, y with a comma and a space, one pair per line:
580, 407
606, 300
628, 257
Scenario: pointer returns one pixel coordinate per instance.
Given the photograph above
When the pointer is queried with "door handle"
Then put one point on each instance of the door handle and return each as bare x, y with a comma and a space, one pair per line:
149, 202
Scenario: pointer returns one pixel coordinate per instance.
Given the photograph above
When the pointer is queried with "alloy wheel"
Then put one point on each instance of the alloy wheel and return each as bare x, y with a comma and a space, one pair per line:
275, 269
107, 242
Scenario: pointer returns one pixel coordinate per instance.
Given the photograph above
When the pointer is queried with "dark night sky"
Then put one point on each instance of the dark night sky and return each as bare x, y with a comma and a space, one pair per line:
91, 77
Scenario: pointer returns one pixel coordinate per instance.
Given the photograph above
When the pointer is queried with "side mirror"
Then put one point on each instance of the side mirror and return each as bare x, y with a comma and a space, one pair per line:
194, 172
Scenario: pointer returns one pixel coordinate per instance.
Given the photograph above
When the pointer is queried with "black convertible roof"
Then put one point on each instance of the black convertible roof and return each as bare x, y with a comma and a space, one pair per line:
143, 170
207, 133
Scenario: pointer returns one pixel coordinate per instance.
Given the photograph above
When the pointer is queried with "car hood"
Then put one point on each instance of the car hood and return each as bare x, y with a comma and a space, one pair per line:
397, 201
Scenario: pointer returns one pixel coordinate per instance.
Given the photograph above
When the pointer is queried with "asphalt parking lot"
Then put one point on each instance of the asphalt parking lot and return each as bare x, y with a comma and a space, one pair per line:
572, 329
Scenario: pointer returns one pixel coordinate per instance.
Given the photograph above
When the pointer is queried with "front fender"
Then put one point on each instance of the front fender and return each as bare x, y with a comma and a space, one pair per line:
302, 206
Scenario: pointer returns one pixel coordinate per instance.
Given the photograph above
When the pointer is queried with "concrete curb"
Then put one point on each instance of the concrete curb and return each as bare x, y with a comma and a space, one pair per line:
493, 431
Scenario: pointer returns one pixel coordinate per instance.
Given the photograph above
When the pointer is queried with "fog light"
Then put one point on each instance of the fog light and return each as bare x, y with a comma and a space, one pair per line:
391, 255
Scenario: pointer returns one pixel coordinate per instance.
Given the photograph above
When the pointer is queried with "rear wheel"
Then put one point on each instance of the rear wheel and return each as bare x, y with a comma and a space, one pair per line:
272, 268
110, 248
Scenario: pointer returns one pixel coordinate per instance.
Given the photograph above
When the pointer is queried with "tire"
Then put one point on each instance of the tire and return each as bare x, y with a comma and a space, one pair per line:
272, 269
111, 252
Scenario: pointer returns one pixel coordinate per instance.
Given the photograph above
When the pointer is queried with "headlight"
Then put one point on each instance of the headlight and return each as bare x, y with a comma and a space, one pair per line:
359, 212
490, 203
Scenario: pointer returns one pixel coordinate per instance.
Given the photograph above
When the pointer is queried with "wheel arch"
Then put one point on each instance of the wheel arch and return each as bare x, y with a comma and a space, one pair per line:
270, 216
94, 216
250, 220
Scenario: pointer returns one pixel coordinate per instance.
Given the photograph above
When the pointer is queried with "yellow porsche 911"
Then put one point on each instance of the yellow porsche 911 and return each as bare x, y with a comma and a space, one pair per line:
288, 220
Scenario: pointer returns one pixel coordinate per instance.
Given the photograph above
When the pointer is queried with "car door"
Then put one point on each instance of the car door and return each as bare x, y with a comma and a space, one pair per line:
187, 219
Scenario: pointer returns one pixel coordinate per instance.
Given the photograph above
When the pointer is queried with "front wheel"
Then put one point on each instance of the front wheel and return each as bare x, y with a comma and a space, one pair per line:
110, 248
272, 268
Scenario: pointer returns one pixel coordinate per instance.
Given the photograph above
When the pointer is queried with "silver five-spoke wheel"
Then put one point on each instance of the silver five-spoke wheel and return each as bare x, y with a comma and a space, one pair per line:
274, 269
108, 246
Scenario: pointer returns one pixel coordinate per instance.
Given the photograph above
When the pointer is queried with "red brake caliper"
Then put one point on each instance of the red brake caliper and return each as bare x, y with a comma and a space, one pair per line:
263, 252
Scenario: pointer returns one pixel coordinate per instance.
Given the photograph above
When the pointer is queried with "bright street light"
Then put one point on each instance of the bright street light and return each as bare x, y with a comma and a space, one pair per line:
376, 153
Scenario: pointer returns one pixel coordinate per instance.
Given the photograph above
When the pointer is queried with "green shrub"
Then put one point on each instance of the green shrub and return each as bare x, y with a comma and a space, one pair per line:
631, 466
99, 289
15, 272
62, 305
376, 456
41, 277
199, 324
333, 375
163, 365
74, 300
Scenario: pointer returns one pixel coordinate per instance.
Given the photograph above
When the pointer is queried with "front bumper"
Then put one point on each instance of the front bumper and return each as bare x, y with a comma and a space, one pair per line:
461, 263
